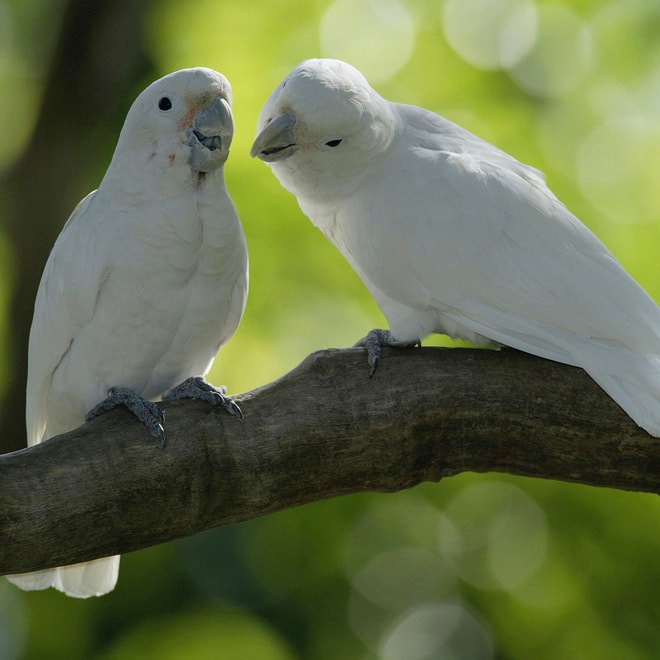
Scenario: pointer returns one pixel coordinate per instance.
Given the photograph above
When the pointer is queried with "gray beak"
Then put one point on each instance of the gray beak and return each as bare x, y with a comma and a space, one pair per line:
210, 136
277, 140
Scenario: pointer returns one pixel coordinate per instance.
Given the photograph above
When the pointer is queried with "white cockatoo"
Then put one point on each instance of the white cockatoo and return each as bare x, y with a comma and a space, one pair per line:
147, 280
451, 235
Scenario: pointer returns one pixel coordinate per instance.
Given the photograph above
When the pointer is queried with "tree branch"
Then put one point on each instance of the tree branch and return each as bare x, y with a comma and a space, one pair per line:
324, 429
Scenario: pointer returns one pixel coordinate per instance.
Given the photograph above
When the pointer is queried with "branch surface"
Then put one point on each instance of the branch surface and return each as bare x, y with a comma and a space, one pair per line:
324, 429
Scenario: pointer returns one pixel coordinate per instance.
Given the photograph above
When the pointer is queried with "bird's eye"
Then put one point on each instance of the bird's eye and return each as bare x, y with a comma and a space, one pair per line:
333, 143
165, 103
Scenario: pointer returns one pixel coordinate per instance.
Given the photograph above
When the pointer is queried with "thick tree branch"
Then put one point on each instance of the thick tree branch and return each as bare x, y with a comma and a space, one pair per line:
325, 429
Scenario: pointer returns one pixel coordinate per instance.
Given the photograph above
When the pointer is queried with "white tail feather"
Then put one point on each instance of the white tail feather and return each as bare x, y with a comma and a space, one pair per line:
635, 386
93, 578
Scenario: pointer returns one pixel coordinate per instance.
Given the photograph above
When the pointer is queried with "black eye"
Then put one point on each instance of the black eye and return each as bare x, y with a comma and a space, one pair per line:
165, 103
333, 143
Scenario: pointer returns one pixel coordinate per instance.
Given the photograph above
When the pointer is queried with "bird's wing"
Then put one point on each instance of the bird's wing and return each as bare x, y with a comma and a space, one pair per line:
491, 247
65, 302
541, 273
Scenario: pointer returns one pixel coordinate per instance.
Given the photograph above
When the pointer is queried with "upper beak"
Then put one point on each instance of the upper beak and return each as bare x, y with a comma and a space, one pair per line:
212, 132
277, 140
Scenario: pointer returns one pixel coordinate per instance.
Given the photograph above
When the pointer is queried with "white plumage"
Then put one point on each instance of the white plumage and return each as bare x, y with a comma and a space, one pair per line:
451, 235
147, 280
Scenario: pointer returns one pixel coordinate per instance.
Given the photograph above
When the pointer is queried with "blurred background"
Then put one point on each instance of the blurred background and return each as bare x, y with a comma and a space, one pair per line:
475, 567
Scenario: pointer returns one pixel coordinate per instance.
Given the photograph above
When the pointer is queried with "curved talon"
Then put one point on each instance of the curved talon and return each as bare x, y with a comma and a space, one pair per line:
375, 340
148, 412
196, 387
233, 408
158, 431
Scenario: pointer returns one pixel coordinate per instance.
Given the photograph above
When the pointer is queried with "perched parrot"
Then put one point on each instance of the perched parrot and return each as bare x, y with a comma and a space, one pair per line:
145, 283
451, 235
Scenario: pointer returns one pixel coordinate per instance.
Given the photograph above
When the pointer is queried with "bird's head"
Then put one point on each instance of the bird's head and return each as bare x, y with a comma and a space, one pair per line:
184, 119
321, 126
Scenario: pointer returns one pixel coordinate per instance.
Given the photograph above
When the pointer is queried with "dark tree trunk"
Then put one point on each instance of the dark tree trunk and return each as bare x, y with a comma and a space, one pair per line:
96, 69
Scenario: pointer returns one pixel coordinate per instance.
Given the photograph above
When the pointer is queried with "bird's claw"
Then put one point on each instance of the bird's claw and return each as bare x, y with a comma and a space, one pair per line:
196, 387
373, 343
148, 412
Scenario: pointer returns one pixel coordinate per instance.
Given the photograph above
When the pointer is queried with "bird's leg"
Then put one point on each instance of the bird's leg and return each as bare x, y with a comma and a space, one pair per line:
147, 412
375, 340
196, 387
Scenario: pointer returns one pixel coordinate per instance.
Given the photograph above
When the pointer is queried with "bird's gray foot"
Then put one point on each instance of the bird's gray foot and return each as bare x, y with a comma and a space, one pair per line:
196, 387
147, 412
375, 340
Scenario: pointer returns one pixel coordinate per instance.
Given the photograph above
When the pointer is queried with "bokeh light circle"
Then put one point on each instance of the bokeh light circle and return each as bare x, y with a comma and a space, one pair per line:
561, 56
375, 37
490, 34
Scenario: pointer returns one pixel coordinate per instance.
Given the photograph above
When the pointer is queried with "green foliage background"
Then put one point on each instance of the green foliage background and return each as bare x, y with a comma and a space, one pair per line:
474, 567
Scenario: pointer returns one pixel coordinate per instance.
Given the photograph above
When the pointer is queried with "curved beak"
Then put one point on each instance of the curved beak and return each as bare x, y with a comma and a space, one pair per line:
211, 134
277, 140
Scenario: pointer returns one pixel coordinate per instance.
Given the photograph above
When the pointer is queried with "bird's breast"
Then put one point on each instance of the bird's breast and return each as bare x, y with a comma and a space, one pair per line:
175, 293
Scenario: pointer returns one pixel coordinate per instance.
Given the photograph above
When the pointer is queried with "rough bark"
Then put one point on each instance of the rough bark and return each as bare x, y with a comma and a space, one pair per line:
325, 429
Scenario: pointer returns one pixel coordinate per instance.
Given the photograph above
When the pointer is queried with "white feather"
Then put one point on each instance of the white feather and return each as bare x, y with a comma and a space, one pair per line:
147, 280
452, 235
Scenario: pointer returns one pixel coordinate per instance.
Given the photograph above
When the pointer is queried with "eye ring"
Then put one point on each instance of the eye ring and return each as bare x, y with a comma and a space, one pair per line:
165, 103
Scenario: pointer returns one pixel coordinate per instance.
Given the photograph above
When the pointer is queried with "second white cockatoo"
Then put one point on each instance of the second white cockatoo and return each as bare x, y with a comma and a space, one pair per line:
451, 235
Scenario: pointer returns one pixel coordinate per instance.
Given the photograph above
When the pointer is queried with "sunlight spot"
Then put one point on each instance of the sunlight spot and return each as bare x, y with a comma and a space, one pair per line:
437, 630
561, 56
490, 34
392, 565
494, 535
403, 521
375, 37
398, 578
